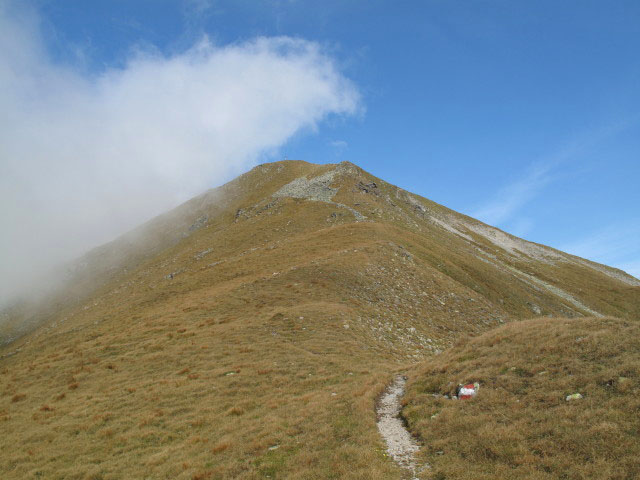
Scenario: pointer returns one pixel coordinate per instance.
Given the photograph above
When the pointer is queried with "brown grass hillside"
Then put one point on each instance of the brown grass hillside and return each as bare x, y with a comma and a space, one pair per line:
520, 424
247, 333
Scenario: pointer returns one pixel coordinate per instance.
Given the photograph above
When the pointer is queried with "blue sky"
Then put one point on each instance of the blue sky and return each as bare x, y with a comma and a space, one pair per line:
523, 114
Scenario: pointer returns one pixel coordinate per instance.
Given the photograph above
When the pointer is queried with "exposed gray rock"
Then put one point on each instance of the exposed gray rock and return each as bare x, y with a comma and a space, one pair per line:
202, 254
368, 187
535, 308
318, 189
199, 223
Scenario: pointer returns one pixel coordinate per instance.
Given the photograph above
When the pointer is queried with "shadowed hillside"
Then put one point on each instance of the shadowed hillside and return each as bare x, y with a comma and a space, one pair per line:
247, 333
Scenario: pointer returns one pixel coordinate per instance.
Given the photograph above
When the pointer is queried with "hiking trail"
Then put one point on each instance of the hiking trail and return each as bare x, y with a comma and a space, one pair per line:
401, 446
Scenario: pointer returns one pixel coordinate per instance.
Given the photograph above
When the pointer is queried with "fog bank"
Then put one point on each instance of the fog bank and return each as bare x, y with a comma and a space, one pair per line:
86, 156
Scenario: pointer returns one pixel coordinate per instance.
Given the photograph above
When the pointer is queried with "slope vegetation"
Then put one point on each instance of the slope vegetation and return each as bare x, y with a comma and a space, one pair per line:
520, 424
247, 333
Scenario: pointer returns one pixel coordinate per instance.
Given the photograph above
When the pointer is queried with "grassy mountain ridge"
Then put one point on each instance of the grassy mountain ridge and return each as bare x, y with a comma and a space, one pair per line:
543, 279
247, 333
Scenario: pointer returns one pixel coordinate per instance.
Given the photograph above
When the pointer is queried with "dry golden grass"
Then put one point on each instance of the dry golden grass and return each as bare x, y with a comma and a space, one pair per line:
150, 406
520, 424
261, 355
203, 376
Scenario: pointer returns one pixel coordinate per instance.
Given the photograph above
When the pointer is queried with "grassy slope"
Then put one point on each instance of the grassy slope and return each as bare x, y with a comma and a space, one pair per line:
145, 390
520, 425
129, 376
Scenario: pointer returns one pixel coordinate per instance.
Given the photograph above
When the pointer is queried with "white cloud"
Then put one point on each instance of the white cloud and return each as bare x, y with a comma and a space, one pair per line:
339, 144
85, 157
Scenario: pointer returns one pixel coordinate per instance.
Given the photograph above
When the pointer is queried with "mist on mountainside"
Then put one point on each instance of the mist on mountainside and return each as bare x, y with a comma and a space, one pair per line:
86, 156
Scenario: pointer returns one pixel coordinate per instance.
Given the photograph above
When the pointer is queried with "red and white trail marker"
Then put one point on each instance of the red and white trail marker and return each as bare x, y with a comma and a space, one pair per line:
465, 392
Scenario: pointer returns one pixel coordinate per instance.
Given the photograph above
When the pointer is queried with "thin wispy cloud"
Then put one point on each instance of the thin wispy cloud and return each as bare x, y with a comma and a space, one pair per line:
616, 245
200, 6
504, 207
521, 226
195, 12
84, 157
632, 267
511, 198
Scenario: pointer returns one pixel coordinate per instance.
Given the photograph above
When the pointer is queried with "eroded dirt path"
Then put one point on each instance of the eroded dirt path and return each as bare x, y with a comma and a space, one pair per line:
400, 444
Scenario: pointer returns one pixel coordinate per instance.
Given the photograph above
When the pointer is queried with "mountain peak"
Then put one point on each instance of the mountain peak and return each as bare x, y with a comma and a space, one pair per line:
292, 200
278, 302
